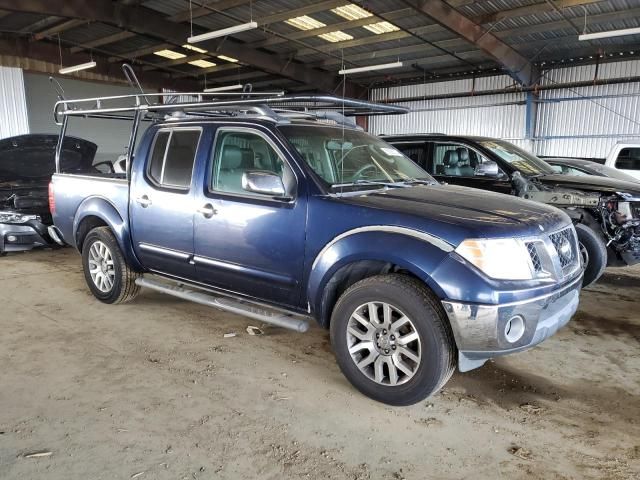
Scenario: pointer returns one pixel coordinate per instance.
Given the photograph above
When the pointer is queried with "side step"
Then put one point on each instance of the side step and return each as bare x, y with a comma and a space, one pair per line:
228, 304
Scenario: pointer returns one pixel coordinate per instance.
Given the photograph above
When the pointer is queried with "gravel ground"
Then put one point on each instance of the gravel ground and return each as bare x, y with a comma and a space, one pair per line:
153, 390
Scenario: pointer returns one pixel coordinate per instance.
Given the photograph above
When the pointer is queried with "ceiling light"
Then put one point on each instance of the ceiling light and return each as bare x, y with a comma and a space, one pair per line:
202, 63
610, 33
223, 33
195, 49
225, 88
228, 59
77, 68
336, 36
351, 12
381, 27
305, 23
169, 54
370, 68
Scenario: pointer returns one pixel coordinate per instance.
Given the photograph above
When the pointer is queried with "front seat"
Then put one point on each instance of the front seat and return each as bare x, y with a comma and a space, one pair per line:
451, 163
230, 173
464, 162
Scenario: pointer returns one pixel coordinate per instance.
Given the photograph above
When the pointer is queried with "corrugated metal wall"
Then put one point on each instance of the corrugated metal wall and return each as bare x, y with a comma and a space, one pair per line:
581, 122
13, 106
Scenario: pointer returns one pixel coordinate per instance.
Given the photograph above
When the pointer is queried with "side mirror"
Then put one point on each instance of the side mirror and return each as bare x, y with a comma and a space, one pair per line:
488, 168
263, 183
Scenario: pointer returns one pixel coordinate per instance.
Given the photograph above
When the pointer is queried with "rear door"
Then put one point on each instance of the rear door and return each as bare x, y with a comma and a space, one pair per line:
249, 243
162, 202
455, 163
416, 151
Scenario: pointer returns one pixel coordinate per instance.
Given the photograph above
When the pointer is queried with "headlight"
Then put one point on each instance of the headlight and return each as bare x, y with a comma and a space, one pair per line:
13, 217
500, 258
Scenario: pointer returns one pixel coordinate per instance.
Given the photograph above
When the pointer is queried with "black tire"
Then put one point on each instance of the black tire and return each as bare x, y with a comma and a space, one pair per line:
123, 286
437, 346
593, 251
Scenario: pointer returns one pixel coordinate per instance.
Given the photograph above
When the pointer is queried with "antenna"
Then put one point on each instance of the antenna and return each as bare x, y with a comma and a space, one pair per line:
58, 88
132, 79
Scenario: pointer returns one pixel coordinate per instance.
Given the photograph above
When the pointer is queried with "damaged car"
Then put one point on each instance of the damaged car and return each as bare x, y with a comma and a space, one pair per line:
605, 211
26, 165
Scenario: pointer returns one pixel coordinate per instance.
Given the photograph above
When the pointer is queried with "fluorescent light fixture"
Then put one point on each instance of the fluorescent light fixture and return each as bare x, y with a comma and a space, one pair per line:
228, 59
336, 36
223, 33
305, 23
610, 33
352, 12
202, 63
195, 49
170, 54
370, 68
225, 88
381, 27
77, 68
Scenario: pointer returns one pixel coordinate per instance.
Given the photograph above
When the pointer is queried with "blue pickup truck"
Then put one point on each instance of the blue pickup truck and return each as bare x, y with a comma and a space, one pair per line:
286, 215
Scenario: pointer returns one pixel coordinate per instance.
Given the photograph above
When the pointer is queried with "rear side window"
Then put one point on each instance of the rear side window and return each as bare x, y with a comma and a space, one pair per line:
172, 158
628, 159
415, 151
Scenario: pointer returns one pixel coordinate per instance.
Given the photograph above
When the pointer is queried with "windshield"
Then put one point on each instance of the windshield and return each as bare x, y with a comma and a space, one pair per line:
351, 158
522, 161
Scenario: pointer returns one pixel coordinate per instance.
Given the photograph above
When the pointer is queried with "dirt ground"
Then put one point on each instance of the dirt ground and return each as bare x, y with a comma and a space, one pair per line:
153, 390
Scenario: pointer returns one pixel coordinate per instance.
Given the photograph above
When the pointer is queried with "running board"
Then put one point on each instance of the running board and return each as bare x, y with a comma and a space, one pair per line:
239, 307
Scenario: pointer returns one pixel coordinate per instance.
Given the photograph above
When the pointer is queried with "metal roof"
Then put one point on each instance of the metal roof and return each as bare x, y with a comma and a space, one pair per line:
543, 32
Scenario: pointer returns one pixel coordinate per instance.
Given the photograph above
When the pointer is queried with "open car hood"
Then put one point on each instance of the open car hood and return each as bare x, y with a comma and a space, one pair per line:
32, 157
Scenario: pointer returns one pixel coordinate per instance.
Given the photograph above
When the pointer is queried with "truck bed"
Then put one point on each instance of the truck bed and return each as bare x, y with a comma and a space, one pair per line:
70, 191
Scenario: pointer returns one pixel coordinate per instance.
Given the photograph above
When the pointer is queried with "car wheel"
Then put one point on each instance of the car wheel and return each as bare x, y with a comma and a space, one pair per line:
392, 339
593, 253
105, 270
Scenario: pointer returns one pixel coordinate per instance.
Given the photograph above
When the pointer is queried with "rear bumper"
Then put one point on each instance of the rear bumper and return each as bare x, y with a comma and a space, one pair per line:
18, 238
486, 331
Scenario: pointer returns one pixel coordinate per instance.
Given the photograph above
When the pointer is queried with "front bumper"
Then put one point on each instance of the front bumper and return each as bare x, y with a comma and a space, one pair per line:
486, 331
21, 237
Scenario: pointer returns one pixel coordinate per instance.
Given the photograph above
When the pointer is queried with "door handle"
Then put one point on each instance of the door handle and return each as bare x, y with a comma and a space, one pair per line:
207, 210
144, 201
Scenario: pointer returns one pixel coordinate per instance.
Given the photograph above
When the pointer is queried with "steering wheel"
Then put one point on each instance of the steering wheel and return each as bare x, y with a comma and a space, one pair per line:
361, 170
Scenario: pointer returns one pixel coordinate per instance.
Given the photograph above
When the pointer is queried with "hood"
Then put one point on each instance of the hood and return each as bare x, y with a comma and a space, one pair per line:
454, 213
32, 157
590, 183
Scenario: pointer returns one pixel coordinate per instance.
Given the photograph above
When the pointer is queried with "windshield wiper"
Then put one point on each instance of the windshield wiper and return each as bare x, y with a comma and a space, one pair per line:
412, 181
372, 183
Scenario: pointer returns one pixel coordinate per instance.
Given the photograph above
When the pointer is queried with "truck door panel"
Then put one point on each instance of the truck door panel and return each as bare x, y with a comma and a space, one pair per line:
161, 203
249, 243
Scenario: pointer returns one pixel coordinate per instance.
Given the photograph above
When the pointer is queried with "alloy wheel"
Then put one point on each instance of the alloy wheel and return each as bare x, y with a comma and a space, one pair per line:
101, 266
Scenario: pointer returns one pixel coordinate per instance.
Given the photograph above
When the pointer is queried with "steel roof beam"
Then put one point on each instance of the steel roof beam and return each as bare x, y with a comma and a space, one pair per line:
116, 37
61, 27
530, 10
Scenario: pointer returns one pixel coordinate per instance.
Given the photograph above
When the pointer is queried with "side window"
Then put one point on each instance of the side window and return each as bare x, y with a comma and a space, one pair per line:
628, 159
238, 152
414, 151
454, 160
575, 172
172, 165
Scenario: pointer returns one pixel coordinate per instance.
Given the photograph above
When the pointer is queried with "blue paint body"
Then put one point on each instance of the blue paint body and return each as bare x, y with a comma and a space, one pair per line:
285, 252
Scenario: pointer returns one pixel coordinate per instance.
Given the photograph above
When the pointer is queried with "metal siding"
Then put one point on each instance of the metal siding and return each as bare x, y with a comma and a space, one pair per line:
13, 105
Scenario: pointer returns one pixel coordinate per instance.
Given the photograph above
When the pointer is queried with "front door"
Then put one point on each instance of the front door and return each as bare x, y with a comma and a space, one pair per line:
250, 243
161, 203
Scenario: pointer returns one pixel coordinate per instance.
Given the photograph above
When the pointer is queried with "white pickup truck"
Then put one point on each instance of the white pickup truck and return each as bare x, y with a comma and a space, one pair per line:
626, 158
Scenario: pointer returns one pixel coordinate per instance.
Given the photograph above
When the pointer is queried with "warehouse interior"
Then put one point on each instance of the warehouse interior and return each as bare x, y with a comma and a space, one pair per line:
163, 387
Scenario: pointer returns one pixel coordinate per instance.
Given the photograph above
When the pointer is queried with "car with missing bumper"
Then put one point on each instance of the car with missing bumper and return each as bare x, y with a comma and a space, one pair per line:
605, 211
267, 211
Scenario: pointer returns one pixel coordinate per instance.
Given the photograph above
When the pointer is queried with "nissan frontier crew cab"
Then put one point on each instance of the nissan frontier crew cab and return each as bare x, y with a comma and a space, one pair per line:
282, 209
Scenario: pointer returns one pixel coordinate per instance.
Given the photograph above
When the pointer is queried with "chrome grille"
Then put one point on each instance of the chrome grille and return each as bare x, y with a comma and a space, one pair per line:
565, 244
535, 257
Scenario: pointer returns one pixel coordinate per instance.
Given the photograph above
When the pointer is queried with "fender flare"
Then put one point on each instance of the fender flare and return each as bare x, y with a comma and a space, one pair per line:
417, 252
103, 209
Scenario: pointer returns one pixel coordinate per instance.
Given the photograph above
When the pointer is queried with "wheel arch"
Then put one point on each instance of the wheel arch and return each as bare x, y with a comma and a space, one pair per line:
361, 254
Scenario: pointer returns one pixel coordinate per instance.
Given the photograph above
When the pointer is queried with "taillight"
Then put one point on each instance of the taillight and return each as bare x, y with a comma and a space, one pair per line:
52, 200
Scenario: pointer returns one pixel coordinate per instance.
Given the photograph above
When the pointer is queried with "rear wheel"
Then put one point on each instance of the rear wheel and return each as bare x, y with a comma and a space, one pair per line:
105, 270
593, 253
392, 340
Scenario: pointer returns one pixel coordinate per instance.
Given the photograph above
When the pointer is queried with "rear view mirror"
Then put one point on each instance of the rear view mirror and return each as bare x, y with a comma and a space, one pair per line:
488, 168
263, 183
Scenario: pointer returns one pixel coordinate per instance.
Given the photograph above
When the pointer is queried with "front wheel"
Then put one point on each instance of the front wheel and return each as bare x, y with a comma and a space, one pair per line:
593, 253
392, 339
105, 270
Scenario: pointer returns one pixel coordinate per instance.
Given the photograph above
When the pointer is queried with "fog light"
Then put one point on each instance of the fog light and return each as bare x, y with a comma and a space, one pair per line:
12, 238
514, 329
